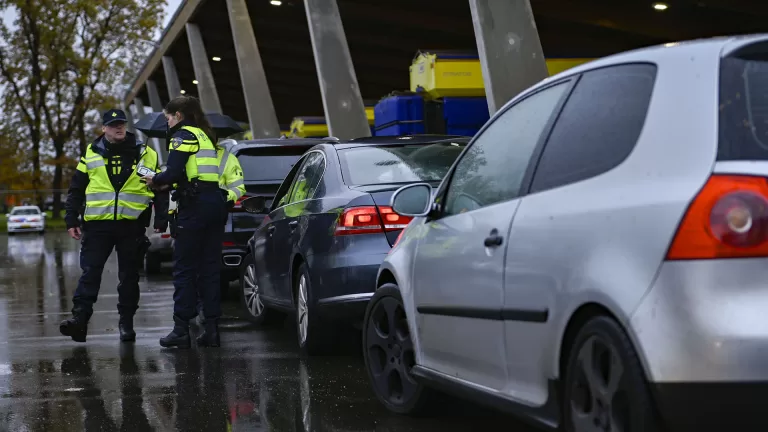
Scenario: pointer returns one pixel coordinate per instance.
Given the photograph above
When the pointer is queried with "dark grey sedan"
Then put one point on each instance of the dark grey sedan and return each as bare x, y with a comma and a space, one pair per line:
329, 227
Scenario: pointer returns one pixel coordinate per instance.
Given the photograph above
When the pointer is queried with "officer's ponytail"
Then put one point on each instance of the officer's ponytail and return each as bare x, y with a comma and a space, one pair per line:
192, 111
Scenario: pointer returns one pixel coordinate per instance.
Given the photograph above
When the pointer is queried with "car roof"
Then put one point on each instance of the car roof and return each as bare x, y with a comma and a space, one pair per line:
25, 207
711, 47
399, 140
278, 142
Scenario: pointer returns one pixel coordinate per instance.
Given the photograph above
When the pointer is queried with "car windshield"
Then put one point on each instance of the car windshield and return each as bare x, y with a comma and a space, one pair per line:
743, 131
25, 212
398, 164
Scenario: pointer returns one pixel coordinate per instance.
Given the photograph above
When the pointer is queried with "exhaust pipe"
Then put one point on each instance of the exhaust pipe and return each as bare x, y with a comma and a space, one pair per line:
232, 260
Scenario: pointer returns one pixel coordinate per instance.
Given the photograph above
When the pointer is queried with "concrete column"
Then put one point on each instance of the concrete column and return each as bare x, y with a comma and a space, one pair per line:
129, 115
154, 96
258, 100
344, 109
206, 87
171, 77
509, 47
139, 105
157, 106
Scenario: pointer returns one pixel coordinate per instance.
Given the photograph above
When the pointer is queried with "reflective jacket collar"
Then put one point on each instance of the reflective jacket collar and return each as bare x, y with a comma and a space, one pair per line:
99, 145
178, 126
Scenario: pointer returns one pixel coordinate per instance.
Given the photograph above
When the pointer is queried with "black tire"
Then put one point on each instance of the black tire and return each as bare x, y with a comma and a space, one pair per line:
602, 346
389, 354
41, 232
318, 340
247, 300
152, 264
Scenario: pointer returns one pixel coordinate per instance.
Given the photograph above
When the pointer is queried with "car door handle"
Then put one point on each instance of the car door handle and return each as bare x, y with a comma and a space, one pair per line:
494, 240
271, 228
293, 224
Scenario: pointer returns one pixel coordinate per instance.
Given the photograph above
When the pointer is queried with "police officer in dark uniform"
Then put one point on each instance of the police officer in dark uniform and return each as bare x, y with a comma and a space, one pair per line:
193, 166
108, 190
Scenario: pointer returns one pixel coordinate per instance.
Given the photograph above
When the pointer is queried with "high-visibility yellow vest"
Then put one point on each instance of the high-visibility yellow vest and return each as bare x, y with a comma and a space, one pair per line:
102, 201
230, 175
202, 163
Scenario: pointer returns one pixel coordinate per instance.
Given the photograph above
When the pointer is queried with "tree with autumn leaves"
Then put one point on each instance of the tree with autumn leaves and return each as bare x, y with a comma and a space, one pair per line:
61, 63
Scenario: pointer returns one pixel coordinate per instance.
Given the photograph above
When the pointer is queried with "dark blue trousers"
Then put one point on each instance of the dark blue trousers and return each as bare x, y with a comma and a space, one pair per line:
99, 239
197, 255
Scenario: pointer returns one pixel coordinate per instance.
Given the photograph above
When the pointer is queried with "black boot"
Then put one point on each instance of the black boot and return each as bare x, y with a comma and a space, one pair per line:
75, 327
179, 336
127, 334
210, 336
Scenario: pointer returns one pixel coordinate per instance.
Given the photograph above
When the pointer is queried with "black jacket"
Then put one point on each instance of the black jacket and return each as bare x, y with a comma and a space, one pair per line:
124, 154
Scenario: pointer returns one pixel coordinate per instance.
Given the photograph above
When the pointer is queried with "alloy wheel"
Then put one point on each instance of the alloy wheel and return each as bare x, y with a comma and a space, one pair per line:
251, 292
599, 401
303, 310
390, 351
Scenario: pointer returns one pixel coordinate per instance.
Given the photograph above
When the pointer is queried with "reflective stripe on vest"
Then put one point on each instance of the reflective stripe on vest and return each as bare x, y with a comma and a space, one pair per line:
102, 202
202, 165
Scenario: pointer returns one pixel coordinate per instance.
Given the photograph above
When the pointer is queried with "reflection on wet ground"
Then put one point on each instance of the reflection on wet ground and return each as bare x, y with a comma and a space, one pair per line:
256, 382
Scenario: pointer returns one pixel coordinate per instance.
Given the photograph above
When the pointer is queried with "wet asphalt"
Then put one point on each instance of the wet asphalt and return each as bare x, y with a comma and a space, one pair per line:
255, 382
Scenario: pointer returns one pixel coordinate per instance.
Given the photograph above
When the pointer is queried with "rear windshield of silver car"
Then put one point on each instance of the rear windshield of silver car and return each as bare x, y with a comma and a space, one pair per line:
399, 163
744, 105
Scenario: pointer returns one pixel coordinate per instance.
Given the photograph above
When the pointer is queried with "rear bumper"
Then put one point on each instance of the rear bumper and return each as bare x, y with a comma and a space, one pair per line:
348, 283
231, 258
26, 227
702, 333
722, 406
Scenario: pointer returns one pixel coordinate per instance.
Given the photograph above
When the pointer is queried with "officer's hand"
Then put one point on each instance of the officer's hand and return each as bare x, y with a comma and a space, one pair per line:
147, 179
75, 233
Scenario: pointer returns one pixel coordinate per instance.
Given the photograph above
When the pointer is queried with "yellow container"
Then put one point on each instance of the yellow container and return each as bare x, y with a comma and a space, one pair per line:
445, 74
555, 66
369, 115
309, 127
442, 74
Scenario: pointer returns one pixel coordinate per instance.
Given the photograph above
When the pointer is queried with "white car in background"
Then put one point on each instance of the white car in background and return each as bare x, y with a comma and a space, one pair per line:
25, 219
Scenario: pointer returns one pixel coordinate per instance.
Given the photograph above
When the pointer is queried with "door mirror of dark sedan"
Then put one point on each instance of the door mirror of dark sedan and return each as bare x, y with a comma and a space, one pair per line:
413, 200
255, 205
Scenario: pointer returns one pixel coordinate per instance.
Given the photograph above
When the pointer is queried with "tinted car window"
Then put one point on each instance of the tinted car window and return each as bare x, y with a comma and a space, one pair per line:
493, 168
268, 163
744, 106
398, 164
598, 126
308, 178
284, 192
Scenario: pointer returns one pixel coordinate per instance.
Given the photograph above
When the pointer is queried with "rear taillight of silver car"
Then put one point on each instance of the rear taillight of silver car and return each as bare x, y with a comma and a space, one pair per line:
727, 219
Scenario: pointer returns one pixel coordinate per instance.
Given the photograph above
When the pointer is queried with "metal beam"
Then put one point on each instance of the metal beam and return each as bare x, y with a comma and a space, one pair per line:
171, 78
509, 47
258, 100
206, 85
342, 102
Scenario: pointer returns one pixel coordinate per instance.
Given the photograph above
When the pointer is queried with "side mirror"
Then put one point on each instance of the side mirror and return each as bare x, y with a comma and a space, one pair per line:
413, 200
255, 205
7, 215
43, 215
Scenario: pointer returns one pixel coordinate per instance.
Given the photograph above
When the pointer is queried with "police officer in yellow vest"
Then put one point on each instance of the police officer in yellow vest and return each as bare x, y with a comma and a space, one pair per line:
108, 181
193, 166
232, 183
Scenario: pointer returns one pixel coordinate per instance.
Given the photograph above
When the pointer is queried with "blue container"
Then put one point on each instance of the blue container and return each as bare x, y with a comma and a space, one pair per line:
395, 109
465, 112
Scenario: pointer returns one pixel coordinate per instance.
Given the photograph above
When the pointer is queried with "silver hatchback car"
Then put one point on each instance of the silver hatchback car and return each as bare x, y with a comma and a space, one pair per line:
596, 258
